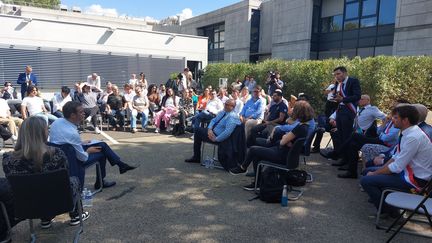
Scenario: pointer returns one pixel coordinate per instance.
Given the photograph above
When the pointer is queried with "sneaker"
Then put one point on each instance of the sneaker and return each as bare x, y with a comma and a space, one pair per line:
76, 220
88, 119
144, 130
97, 131
134, 130
14, 138
250, 187
157, 130
192, 137
46, 224
237, 171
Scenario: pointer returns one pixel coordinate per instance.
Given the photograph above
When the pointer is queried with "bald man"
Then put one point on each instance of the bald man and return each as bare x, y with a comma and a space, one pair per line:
219, 129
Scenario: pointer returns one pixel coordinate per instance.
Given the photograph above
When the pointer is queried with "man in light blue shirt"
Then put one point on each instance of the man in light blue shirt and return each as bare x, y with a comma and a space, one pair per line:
219, 129
252, 113
64, 131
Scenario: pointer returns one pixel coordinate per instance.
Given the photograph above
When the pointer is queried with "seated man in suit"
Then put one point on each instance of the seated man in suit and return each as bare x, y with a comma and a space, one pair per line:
410, 168
219, 129
64, 131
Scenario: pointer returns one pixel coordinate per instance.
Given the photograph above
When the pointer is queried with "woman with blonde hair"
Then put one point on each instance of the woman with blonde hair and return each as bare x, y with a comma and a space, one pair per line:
31, 155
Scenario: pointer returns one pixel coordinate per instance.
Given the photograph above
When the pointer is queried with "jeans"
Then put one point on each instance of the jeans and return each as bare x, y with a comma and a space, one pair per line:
374, 186
101, 157
120, 117
58, 114
47, 117
144, 118
203, 116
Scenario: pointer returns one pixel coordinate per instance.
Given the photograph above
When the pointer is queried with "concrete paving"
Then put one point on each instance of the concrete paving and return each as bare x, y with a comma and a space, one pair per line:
167, 200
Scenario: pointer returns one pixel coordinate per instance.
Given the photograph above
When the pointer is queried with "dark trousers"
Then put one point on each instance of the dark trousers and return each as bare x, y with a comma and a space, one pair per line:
92, 112
329, 108
4, 133
58, 114
344, 122
200, 135
349, 149
116, 118
376, 184
6, 197
257, 153
258, 131
101, 157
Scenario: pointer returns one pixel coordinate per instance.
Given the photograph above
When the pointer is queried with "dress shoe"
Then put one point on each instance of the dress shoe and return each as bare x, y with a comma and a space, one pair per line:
329, 154
347, 175
125, 167
106, 184
343, 167
315, 150
341, 163
192, 160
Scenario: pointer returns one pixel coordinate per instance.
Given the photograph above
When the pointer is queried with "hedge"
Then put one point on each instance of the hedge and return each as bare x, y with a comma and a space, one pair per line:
384, 78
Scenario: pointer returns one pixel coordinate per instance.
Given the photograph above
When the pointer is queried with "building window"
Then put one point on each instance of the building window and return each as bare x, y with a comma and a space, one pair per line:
351, 25
216, 41
352, 10
368, 22
369, 7
331, 24
387, 12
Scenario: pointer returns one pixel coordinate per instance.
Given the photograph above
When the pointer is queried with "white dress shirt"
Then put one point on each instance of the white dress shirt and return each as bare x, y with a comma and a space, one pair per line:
414, 155
214, 106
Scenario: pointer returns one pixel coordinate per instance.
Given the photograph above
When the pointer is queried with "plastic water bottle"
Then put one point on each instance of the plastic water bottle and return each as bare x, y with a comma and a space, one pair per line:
89, 198
284, 200
83, 198
207, 162
211, 164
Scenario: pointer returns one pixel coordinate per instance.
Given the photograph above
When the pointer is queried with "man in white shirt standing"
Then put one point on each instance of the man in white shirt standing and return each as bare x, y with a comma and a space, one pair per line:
34, 105
59, 100
7, 119
94, 81
410, 168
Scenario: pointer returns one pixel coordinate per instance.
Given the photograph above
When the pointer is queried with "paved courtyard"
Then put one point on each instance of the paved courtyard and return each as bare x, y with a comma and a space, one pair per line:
167, 200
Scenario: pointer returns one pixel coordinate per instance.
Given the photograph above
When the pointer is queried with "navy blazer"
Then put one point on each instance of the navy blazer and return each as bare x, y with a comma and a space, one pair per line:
22, 80
352, 91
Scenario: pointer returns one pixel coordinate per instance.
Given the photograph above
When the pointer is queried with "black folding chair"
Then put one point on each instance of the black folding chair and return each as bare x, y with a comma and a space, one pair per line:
292, 162
43, 195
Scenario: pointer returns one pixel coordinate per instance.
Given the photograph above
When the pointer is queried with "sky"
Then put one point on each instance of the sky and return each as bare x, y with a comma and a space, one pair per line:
153, 9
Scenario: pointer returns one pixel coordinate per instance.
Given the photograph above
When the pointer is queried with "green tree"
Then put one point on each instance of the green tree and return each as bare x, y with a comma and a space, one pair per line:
35, 3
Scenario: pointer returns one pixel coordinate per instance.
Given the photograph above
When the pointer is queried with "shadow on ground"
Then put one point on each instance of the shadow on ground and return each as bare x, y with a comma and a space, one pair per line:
167, 200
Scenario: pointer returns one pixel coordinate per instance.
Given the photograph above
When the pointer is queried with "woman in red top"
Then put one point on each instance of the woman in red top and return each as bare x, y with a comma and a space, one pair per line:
202, 100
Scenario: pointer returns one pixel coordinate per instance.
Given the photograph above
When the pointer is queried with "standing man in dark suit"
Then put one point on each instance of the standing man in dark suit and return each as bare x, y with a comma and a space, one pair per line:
25, 79
348, 93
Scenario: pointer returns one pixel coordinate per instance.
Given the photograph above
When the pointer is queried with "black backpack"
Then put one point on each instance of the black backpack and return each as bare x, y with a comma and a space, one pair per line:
271, 185
272, 181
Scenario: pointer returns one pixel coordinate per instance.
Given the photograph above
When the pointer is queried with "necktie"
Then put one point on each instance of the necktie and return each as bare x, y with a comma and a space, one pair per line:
399, 143
217, 122
360, 111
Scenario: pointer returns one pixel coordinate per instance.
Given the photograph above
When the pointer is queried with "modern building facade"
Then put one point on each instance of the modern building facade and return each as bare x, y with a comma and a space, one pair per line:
253, 30
65, 47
